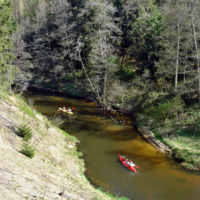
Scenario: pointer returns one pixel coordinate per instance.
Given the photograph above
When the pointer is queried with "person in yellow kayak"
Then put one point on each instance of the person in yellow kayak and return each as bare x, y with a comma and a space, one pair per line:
69, 110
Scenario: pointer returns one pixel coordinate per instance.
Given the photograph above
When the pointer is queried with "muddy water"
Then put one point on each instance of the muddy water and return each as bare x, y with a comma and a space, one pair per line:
159, 176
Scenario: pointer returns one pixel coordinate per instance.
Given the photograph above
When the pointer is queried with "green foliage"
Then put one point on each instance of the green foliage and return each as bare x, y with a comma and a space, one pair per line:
125, 74
27, 150
32, 7
123, 198
7, 28
74, 86
165, 109
140, 31
25, 132
79, 154
102, 189
186, 155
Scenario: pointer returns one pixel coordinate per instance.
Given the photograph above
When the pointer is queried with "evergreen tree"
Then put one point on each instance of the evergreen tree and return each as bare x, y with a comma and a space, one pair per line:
7, 28
141, 27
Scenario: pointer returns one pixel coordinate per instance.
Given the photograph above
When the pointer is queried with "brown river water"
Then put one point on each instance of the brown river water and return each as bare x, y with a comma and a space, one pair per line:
159, 176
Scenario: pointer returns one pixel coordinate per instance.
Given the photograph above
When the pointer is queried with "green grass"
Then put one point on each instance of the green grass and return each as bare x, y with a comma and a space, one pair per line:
103, 190
4, 95
72, 138
21, 103
25, 132
24, 106
185, 147
175, 124
27, 150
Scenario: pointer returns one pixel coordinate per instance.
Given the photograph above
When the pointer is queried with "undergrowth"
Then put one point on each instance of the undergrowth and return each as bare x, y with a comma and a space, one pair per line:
56, 120
27, 150
25, 132
175, 125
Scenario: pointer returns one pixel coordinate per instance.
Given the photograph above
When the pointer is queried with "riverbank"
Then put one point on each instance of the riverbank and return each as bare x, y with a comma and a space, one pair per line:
182, 149
174, 136
54, 170
172, 125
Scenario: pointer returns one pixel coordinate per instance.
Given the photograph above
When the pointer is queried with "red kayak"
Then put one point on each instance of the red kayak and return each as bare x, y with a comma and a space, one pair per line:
122, 159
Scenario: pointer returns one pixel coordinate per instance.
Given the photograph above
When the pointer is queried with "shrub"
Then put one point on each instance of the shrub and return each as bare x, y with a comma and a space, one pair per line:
56, 120
28, 150
165, 109
25, 132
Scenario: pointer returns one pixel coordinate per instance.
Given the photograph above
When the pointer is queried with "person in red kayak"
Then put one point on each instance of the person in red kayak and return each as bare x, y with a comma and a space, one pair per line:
126, 161
131, 164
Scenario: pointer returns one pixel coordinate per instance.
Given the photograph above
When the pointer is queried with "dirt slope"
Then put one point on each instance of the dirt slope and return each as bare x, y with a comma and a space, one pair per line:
55, 172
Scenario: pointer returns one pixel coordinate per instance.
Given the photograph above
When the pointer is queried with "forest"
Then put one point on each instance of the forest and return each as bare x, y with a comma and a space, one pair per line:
137, 56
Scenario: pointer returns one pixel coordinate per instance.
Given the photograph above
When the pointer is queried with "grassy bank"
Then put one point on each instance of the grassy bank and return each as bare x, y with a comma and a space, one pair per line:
175, 123
53, 171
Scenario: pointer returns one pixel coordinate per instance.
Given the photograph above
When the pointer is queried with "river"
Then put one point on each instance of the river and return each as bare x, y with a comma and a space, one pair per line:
159, 176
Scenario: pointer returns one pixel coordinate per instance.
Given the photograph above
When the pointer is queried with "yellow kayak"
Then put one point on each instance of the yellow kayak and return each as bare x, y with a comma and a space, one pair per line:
60, 109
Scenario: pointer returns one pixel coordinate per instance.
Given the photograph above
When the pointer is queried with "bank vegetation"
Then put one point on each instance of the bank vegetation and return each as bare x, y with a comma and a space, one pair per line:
140, 57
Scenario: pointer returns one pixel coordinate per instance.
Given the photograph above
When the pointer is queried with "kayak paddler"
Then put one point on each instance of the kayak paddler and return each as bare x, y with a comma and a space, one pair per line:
69, 110
126, 161
131, 164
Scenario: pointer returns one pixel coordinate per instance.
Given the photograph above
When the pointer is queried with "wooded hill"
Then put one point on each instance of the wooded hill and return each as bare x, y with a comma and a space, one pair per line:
139, 56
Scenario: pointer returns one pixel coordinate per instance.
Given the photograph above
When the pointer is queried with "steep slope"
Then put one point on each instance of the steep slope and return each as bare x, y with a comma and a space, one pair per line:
55, 172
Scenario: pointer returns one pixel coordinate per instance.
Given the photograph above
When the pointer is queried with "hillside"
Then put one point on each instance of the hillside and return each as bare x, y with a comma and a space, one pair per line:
55, 172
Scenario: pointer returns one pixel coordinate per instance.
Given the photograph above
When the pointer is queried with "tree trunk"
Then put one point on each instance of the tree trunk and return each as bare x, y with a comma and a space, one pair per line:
105, 80
197, 54
88, 78
177, 58
21, 12
122, 62
73, 71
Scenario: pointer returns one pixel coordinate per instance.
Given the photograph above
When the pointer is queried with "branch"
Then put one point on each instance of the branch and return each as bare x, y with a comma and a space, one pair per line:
114, 120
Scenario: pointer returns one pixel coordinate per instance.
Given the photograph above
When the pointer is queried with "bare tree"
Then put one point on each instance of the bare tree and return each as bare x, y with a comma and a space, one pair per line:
77, 56
102, 52
43, 47
61, 10
194, 7
174, 39
22, 61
